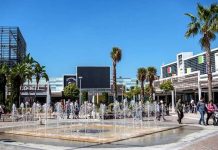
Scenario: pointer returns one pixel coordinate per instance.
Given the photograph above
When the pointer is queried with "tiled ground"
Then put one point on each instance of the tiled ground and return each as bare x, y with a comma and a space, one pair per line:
187, 138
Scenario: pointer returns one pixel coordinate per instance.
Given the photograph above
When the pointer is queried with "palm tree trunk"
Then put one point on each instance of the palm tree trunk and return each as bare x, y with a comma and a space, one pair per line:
209, 71
114, 81
2, 88
151, 91
29, 91
37, 84
20, 94
142, 91
19, 84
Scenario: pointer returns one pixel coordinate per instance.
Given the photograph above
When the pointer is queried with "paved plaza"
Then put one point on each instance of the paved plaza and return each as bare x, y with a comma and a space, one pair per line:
187, 136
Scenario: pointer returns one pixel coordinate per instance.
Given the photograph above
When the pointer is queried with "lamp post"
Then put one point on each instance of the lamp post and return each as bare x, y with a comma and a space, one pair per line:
80, 79
122, 92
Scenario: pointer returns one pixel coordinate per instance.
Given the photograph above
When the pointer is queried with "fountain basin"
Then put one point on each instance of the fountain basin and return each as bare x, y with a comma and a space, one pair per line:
92, 132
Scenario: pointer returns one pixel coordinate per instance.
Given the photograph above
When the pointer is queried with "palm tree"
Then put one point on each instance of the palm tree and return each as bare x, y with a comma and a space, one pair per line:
141, 75
39, 72
205, 24
4, 71
17, 78
30, 63
151, 75
116, 55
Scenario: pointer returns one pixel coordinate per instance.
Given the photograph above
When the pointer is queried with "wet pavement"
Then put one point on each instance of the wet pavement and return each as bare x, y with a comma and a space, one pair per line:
190, 136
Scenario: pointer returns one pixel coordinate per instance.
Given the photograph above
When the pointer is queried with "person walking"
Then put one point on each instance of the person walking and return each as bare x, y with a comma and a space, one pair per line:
192, 106
1, 111
201, 107
210, 111
158, 114
179, 110
67, 109
162, 111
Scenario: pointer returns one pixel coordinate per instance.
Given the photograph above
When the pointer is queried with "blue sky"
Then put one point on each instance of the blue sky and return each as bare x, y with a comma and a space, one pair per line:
63, 34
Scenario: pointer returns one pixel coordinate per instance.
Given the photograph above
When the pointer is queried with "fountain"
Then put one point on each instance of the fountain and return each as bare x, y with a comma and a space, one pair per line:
13, 114
82, 125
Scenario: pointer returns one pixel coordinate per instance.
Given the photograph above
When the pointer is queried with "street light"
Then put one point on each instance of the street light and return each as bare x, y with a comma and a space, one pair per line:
80, 78
122, 92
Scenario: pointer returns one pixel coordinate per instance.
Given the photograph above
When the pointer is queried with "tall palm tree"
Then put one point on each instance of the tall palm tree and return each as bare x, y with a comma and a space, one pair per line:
151, 75
39, 72
30, 63
205, 24
141, 75
4, 71
116, 55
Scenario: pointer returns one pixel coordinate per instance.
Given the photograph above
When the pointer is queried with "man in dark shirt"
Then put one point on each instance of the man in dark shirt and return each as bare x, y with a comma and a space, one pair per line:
179, 110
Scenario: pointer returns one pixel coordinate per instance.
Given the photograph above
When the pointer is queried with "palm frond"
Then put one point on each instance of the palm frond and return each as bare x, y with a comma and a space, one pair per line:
204, 14
214, 8
214, 23
151, 74
116, 54
141, 74
193, 29
211, 36
193, 18
203, 42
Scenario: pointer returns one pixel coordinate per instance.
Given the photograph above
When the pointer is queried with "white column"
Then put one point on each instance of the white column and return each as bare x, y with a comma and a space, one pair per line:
97, 97
173, 105
199, 93
154, 96
199, 86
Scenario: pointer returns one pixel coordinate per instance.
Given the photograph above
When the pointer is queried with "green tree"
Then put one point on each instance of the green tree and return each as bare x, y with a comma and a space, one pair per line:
71, 92
39, 72
30, 63
141, 75
166, 86
136, 92
17, 78
128, 94
105, 98
205, 24
116, 55
151, 75
4, 71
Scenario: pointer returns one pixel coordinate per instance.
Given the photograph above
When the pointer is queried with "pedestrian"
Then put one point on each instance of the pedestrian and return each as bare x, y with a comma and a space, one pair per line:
162, 110
179, 110
158, 114
192, 106
201, 107
1, 111
68, 108
210, 112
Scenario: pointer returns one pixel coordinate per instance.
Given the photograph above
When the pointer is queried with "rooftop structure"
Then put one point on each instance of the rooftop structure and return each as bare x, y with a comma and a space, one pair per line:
12, 45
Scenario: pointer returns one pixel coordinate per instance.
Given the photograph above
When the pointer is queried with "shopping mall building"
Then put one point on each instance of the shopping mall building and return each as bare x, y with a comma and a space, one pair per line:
188, 73
189, 77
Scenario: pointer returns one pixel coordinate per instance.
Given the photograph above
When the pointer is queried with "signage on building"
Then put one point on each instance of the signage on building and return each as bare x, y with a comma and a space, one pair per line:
93, 77
68, 79
169, 70
200, 59
30, 88
188, 70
